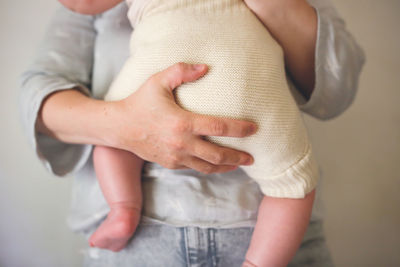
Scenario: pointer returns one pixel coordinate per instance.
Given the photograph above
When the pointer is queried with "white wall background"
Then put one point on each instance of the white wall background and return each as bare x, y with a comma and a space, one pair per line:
33, 204
359, 152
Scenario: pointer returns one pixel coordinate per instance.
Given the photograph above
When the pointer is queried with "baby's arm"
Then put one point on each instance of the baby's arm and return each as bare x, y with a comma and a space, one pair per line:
280, 228
90, 7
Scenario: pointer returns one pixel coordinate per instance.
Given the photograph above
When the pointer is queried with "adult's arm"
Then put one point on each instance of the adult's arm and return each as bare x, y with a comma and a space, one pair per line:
322, 58
62, 62
60, 121
148, 123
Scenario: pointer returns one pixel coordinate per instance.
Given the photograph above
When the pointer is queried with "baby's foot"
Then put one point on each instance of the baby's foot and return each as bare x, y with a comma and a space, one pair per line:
117, 229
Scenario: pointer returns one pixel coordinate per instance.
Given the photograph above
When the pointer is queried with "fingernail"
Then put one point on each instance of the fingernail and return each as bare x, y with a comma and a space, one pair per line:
199, 67
248, 161
252, 129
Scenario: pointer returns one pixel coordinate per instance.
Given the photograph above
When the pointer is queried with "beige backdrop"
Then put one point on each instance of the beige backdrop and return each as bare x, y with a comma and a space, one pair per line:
359, 152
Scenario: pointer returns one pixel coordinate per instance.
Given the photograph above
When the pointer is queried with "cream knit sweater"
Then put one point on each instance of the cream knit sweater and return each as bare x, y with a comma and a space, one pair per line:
246, 80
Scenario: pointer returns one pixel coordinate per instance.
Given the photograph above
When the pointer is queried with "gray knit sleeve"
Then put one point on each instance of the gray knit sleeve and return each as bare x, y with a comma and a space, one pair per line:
338, 63
63, 61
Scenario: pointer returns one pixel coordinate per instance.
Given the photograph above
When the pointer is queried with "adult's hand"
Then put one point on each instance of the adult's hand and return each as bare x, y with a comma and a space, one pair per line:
148, 123
161, 131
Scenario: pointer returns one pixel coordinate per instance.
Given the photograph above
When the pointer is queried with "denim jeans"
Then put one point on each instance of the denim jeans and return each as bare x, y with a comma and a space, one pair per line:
167, 246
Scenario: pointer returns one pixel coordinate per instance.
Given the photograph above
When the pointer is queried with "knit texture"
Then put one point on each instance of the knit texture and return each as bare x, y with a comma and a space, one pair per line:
246, 80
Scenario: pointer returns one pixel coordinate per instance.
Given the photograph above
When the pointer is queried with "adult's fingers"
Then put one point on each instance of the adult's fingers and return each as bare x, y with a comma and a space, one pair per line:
219, 155
247, 263
206, 167
180, 73
214, 126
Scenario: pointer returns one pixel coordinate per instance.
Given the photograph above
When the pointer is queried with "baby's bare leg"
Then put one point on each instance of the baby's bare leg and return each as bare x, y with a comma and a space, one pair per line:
280, 228
118, 173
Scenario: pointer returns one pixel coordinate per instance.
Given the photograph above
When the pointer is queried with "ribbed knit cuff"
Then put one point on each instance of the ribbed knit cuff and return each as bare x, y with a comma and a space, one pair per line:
296, 182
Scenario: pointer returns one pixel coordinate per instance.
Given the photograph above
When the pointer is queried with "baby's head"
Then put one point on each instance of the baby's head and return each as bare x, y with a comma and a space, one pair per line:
89, 7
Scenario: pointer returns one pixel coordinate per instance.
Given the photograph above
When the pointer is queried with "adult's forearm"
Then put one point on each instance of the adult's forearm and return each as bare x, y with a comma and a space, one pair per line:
72, 117
293, 23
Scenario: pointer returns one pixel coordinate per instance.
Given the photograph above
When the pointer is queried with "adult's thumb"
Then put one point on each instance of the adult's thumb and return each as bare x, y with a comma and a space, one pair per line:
180, 73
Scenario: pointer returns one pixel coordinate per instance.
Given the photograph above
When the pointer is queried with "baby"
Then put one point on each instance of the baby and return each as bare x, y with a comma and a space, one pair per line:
246, 80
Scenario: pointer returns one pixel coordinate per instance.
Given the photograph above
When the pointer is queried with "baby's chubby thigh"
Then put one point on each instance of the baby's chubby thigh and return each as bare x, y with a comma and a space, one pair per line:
284, 165
244, 92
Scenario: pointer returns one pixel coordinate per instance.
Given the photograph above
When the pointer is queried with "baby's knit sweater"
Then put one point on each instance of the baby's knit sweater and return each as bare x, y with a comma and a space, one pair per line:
246, 80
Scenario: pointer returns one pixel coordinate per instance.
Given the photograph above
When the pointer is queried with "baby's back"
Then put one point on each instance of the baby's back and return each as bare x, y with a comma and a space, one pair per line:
246, 80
